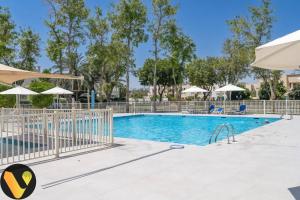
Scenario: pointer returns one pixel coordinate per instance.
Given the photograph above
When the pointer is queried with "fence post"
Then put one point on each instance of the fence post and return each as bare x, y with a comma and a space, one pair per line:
2, 121
111, 126
134, 107
286, 105
264, 107
45, 124
56, 131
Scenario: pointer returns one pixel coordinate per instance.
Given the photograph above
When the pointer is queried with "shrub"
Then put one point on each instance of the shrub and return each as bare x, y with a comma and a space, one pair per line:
240, 95
41, 101
7, 101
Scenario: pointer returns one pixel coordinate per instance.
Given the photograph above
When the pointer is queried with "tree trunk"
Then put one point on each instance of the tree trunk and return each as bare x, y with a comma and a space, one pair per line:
127, 77
272, 90
154, 75
161, 92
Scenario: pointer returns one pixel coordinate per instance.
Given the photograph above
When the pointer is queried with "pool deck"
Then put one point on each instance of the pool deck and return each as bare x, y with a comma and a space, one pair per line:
263, 164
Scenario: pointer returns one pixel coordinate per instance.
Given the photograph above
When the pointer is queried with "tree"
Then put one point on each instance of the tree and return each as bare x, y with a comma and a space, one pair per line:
164, 75
163, 12
250, 33
41, 101
265, 91
106, 58
7, 101
181, 50
235, 64
116, 67
138, 93
29, 49
295, 93
239, 95
7, 37
97, 53
67, 18
128, 19
203, 73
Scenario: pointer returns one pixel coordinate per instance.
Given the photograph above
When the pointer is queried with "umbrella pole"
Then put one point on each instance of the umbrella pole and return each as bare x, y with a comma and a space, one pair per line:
224, 102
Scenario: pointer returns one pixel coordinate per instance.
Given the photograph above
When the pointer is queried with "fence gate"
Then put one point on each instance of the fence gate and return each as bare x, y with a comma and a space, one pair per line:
25, 136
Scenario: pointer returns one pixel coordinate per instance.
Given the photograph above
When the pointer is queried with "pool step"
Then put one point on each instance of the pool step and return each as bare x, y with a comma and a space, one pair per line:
230, 132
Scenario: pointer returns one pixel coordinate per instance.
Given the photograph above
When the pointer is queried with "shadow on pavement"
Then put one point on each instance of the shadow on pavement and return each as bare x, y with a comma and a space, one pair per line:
65, 180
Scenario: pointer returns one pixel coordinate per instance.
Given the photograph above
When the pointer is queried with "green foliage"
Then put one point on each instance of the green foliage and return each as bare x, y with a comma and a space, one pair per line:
7, 101
205, 73
106, 58
66, 33
265, 92
164, 74
7, 37
128, 20
236, 65
248, 33
239, 95
163, 12
41, 101
138, 93
29, 49
180, 47
295, 93
181, 50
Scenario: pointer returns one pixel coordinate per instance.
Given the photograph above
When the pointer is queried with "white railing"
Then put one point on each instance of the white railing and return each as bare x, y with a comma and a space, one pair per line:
253, 106
25, 136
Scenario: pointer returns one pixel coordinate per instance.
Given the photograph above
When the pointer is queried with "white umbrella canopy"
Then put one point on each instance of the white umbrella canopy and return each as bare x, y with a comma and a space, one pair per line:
194, 89
229, 88
279, 54
19, 91
57, 90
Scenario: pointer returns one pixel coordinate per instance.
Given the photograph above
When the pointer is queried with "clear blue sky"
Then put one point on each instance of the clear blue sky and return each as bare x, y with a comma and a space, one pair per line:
203, 20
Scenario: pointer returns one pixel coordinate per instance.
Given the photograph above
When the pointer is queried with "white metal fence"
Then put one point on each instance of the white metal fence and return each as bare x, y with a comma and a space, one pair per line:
253, 106
38, 133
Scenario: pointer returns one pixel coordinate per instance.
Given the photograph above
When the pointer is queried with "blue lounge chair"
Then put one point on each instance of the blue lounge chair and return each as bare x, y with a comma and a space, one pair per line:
211, 108
219, 110
242, 109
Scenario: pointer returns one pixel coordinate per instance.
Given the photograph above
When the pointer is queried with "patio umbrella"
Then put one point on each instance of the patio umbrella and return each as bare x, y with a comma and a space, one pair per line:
57, 91
9, 75
229, 88
18, 90
194, 89
279, 54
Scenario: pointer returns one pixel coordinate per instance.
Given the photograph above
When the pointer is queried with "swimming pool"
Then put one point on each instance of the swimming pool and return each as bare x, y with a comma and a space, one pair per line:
180, 128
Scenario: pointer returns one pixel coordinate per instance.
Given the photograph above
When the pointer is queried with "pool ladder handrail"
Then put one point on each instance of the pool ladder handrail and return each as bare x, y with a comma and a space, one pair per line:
230, 131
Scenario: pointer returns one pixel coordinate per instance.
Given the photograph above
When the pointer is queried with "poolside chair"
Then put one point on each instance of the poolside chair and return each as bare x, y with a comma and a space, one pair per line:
211, 108
242, 109
219, 110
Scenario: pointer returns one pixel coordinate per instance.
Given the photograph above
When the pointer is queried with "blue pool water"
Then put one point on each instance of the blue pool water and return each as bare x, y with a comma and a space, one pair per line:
181, 129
